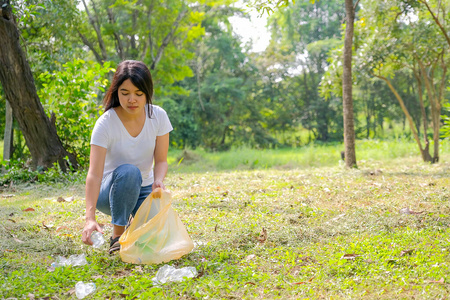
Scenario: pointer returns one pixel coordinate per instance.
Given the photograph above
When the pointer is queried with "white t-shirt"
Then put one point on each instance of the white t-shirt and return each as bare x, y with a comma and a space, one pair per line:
110, 133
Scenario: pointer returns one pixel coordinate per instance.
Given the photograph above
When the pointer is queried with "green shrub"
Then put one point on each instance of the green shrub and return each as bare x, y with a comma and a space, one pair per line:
72, 96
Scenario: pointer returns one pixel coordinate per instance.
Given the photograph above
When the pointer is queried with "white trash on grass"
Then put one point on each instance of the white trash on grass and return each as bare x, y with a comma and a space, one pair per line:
73, 260
168, 273
83, 289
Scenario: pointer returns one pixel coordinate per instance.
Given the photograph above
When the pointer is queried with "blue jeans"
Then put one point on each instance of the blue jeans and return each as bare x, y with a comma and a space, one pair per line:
121, 194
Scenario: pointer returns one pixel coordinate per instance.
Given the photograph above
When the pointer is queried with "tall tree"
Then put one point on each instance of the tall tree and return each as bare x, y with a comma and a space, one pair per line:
347, 97
155, 32
401, 43
20, 91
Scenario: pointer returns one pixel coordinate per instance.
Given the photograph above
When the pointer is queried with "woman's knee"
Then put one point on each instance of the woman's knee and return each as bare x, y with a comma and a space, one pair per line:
129, 173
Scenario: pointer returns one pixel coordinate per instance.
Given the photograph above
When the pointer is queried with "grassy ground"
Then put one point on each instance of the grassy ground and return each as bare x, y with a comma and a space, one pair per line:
331, 232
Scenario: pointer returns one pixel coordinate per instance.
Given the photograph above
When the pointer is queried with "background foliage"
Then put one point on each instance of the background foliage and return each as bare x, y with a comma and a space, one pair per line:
221, 95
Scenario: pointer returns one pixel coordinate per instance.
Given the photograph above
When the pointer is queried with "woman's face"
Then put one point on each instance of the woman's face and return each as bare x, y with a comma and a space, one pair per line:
131, 99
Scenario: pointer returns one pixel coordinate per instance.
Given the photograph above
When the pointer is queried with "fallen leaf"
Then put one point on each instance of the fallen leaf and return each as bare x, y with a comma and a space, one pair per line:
215, 228
391, 261
262, 236
250, 257
121, 273
404, 252
407, 211
12, 220
338, 217
61, 199
67, 235
350, 256
29, 209
9, 250
8, 196
301, 282
440, 281
17, 240
200, 274
250, 283
46, 226
11, 214
61, 228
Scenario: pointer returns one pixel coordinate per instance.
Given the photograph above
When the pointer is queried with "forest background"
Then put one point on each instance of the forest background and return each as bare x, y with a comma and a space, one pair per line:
219, 94
248, 127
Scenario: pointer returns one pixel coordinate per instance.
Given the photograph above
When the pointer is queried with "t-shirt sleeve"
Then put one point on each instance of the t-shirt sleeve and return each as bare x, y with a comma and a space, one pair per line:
164, 123
100, 135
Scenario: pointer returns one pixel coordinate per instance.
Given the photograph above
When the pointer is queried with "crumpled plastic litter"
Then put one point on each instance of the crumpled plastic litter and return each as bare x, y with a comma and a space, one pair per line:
168, 274
83, 289
97, 239
73, 260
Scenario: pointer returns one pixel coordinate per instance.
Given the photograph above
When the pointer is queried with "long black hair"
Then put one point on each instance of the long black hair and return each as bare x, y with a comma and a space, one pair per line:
139, 75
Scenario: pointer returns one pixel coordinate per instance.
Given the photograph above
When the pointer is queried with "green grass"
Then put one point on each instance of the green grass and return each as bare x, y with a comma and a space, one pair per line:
314, 155
314, 215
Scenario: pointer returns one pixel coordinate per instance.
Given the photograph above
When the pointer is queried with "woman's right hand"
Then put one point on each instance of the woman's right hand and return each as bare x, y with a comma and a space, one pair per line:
89, 227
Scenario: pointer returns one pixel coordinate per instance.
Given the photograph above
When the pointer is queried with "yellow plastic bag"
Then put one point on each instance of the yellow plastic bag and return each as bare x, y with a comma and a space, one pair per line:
156, 234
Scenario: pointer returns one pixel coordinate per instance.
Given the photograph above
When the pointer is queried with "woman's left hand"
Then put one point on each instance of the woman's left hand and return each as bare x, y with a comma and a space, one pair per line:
158, 184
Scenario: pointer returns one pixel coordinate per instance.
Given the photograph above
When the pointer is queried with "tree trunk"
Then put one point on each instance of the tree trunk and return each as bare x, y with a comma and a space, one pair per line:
424, 152
424, 117
20, 91
435, 103
349, 127
8, 137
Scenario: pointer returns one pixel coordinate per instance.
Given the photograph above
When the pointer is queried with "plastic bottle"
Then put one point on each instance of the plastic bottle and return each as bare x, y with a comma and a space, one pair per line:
168, 273
73, 260
97, 239
83, 289
77, 260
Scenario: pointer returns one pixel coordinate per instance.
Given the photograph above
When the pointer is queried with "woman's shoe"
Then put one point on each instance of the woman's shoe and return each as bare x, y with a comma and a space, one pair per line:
114, 244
